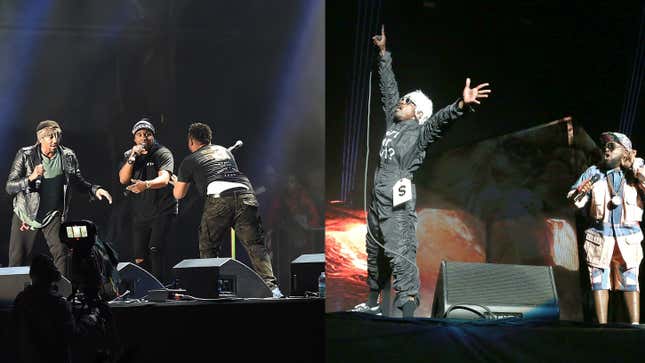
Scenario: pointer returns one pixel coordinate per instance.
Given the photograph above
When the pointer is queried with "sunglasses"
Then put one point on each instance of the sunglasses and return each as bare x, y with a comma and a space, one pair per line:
611, 146
406, 101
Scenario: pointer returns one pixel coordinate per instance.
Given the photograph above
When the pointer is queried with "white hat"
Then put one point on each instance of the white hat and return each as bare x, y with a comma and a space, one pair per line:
423, 105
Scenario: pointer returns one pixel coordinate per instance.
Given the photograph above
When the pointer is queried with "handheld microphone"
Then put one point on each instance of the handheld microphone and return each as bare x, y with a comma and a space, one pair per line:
237, 144
37, 182
584, 188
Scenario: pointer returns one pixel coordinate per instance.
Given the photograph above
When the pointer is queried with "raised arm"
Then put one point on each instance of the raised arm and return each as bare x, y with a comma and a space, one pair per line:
432, 128
637, 166
469, 96
130, 157
582, 187
387, 81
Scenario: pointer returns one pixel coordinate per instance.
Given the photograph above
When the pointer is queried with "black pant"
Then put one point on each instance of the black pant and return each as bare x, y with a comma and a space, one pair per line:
150, 237
21, 243
398, 235
240, 212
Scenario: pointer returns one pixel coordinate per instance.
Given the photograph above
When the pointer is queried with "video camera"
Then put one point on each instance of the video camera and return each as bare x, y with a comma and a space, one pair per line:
80, 237
91, 273
93, 261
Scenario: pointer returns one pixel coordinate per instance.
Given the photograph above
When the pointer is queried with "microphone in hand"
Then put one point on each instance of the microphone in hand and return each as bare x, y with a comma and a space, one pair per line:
37, 174
584, 187
139, 150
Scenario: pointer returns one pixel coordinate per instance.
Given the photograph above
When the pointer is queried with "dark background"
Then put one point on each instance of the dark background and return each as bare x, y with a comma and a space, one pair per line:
544, 60
252, 70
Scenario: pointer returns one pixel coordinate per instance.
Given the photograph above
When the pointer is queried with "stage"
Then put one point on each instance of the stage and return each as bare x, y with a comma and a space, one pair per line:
286, 330
358, 337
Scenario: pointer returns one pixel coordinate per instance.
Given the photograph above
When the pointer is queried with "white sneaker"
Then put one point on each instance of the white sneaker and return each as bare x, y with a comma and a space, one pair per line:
364, 308
277, 293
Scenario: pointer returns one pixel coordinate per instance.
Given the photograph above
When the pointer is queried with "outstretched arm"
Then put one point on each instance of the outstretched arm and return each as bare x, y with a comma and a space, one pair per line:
469, 96
636, 165
81, 184
180, 189
472, 95
387, 81
182, 182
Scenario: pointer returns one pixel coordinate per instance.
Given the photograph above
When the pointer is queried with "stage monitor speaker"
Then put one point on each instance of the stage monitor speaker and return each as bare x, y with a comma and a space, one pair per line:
14, 279
219, 277
467, 290
137, 280
305, 271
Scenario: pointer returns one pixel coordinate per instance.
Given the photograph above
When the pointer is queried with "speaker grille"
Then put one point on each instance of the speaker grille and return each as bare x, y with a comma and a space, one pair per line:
495, 284
208, 277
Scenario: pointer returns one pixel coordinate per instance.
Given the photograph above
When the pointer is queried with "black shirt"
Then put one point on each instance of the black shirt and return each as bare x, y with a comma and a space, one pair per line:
208, 164
152, 203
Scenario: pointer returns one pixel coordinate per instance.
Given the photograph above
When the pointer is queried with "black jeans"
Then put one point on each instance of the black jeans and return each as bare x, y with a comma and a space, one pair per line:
150, 240
21, 243
237, 210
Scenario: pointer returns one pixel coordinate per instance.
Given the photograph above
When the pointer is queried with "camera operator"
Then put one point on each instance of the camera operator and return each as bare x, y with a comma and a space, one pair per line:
42, 321
92, 275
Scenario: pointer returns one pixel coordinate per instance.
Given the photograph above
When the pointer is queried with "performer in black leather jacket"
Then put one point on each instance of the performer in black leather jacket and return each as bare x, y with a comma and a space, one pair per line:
411, 127
39, 180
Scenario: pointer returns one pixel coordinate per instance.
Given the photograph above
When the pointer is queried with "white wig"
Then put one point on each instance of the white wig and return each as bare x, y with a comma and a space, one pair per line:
423, 105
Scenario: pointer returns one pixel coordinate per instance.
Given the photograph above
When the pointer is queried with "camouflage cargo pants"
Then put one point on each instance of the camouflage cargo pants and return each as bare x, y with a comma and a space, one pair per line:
237, 210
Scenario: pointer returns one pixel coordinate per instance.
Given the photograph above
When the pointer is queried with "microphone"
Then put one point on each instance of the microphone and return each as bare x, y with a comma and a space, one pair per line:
38, 180
237, 144
584, 188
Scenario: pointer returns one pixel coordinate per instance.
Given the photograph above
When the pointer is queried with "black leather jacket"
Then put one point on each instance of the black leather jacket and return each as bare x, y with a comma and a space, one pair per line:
26, 192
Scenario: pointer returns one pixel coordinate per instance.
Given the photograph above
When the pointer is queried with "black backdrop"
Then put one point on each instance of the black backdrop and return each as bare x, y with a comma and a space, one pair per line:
251, 70
545, 60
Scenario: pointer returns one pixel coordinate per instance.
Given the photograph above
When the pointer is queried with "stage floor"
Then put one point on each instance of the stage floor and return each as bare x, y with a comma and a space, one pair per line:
286, 330
358, 337
298, 330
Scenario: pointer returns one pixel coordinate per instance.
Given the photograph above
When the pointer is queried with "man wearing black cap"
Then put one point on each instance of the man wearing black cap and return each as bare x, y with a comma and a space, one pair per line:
147, 168
39, 180
613, 190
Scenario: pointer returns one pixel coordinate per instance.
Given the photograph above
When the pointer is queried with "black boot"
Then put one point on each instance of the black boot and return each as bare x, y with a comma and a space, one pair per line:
408, 309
